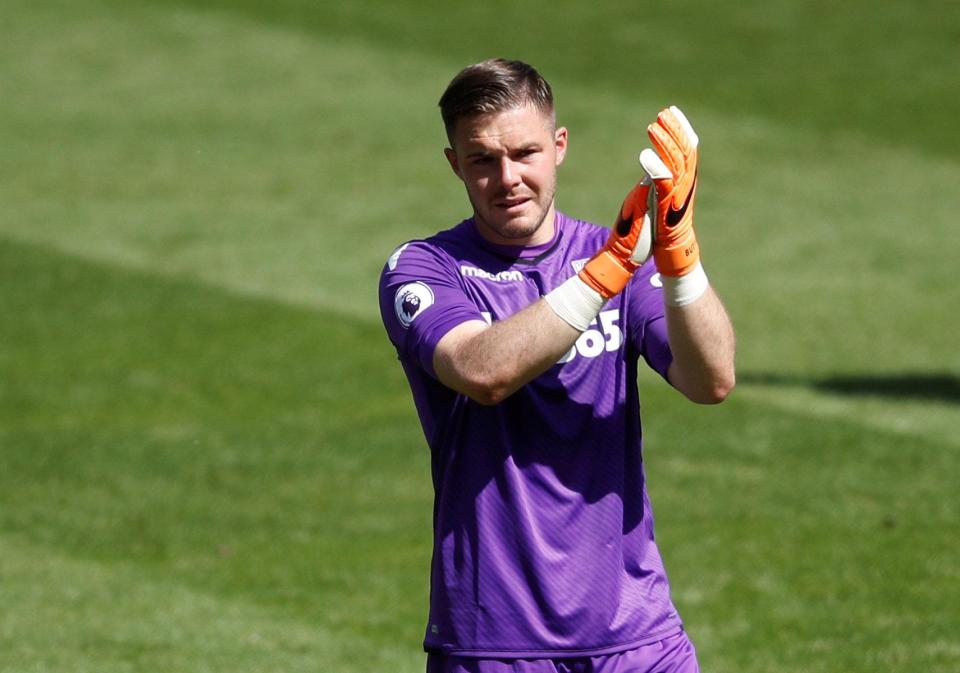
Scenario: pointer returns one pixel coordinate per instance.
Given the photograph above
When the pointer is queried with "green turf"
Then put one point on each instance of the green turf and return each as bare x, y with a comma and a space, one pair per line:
208, 456
195, 444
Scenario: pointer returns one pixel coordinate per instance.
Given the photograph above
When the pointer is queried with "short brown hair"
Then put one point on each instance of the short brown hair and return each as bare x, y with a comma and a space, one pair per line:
493, 86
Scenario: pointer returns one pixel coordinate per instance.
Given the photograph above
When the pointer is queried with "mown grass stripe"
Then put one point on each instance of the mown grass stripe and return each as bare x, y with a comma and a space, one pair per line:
65, 613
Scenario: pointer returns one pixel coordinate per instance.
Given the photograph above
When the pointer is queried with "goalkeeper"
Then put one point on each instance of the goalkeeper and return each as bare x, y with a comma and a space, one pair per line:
520, 331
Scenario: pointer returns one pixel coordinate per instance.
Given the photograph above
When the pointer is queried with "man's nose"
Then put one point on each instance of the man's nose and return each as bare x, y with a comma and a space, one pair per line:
509, 175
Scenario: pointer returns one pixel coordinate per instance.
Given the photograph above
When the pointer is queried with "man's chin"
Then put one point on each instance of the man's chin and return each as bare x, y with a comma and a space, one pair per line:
520, 227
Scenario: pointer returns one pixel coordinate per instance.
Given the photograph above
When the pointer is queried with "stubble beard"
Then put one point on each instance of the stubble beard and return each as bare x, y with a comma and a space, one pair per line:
515, 230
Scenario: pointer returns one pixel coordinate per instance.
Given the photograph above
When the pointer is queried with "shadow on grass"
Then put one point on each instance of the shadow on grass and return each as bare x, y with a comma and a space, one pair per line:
917, 386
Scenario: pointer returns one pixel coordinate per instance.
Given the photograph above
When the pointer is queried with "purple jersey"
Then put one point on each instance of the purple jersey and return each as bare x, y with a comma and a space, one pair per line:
543, 532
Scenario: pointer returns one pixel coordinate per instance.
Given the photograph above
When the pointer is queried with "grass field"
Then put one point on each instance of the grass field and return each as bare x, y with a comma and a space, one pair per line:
209, 460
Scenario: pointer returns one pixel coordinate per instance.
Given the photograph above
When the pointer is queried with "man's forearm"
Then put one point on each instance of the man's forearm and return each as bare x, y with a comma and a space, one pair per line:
490, 362
702, 340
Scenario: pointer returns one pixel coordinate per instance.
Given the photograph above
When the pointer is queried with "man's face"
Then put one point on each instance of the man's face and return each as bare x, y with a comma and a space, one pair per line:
508, 162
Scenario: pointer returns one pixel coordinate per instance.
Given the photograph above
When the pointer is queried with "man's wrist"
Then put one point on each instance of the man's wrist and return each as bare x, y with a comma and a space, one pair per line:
685, 289
576, 303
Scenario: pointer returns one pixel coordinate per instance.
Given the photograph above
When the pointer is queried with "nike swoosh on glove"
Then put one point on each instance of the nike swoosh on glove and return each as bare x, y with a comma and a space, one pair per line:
673, 170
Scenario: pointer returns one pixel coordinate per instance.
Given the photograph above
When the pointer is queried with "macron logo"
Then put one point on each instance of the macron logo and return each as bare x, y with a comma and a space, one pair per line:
500, 277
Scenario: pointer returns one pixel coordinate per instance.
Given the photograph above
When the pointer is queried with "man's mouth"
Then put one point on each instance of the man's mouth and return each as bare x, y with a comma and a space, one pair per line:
513, 204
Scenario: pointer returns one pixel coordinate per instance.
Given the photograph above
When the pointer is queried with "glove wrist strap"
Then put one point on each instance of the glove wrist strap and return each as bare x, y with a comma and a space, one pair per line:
607, 273
686, 289
576, 303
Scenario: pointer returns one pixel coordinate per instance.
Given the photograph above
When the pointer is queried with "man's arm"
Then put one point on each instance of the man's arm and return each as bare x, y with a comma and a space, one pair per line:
702, 342
698, 328
488, 363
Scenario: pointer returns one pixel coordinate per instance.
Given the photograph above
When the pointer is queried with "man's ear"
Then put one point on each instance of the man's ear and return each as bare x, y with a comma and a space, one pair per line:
451, 156
560, 140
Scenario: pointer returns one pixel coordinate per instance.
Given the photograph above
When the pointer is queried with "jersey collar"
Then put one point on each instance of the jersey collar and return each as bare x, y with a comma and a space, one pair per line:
518, 254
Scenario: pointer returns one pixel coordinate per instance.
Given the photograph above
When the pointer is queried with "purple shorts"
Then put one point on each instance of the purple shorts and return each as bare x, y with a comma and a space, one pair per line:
674, 654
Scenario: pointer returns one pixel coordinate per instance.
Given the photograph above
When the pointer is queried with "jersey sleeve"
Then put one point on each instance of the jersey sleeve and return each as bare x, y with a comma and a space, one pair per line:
647, 319
421, 299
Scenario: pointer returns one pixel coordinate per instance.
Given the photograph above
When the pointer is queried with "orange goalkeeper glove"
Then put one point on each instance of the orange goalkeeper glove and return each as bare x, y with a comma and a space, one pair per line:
628, 246
673, 169
580, 298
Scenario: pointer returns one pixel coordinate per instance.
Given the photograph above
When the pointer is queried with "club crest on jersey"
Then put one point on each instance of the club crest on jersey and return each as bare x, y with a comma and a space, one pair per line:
411, 300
